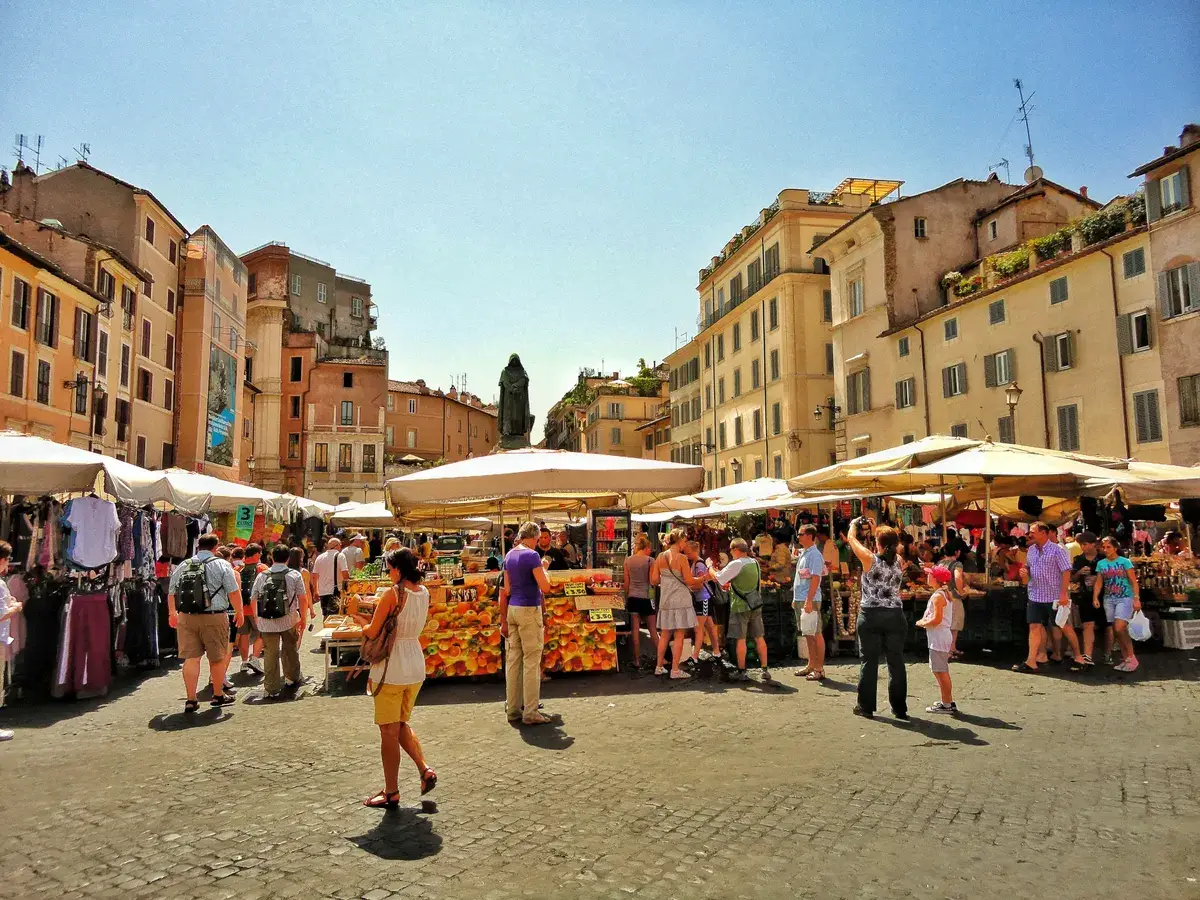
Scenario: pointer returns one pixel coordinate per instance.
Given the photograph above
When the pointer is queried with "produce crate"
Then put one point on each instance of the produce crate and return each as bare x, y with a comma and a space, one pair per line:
1181, 634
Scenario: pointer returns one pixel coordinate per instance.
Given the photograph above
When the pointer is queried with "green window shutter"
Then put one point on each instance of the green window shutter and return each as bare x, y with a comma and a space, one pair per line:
1164, 296
946, 382
1153, 417
1125, 335
1185, 188
1012, 364
865, 375
989, 370
1189, 399
1049, 354
1193, 277
851, 396
1153, 201
962, 376
1140, 417
899, 395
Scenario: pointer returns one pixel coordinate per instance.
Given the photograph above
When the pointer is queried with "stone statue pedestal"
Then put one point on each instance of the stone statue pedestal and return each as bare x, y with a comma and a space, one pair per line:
514, 442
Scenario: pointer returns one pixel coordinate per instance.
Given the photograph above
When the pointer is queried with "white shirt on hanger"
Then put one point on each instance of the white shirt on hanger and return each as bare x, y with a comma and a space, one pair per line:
94, 527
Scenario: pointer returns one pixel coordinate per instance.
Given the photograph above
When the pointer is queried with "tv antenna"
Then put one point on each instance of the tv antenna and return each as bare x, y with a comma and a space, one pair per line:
83, 151
1034, 172
23, 146
996, 165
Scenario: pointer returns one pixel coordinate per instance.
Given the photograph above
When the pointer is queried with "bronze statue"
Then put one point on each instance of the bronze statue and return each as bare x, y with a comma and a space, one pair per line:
515, 420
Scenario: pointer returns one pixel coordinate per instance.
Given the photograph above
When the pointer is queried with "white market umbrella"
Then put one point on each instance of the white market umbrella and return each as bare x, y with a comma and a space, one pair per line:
558, 476
756, 489
193, 492
32, 465
363, 515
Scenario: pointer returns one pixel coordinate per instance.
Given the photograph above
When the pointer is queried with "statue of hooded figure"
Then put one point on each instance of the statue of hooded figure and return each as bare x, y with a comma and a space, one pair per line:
515, 421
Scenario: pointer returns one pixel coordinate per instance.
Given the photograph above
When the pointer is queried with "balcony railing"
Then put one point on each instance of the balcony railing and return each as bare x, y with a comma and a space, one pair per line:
338, 428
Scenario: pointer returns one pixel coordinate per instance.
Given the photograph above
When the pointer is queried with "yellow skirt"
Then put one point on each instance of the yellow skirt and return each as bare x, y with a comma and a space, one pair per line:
394, 702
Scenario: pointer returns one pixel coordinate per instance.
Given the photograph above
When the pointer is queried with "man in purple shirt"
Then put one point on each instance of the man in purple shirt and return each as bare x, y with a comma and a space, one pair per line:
525, 583
1047, 575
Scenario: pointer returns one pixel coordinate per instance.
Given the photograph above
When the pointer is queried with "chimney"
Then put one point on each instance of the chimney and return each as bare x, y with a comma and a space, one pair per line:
1170, 148
1083, 190
1189, 135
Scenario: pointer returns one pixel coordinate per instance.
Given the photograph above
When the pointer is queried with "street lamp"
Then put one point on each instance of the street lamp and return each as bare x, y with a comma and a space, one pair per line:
1012, 396
81, 382
833, 408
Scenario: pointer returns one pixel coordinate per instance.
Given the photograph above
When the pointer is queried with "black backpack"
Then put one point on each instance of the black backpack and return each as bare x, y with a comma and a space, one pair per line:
191, 591
248, 573
273, 598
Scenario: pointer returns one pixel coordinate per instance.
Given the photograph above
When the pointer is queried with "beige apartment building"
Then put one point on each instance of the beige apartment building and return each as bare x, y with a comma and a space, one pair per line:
210, 358
433, 424
749, 382
887, 267
89, 202
72, 331
1172, 182
615, 414
563, 429
656, 440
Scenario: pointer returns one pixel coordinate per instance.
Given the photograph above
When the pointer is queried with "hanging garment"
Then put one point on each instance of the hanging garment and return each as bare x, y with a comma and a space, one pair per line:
125, 534
175, 535
85, 651
94, 526
141, 623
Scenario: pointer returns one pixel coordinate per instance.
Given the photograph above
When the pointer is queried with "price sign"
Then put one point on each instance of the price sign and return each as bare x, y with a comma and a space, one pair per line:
600, 615
575, 589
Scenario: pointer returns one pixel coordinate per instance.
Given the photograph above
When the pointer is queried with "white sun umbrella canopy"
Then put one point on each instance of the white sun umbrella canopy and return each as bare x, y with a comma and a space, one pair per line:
287, 504
34, 466
363, 515
193, 492
745, 491
553, 475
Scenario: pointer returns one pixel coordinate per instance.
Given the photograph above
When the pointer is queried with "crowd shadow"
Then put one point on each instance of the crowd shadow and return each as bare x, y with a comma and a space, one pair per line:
938, 732
403, 834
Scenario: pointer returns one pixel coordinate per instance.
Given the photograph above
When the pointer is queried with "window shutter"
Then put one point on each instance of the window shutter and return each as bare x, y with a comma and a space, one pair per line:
946, 382
1193, 277
1189, 399
1185, 190
78, 333
1127, 261
962, 376
865, 375
1153, 419
989, 370
1140, 417
899, 394
1069, 362
1153, 201
851, 396
1125, 335
1012, 364
1073, 418
1164, 296
1049, 354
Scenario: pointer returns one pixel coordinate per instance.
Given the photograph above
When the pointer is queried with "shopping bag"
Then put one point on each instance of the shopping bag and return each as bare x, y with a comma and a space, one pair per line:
1139, 627
1062, 615
810, 623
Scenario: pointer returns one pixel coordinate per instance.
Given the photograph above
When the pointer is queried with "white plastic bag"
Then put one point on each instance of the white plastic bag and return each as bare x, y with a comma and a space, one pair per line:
810, 623
1139, 627
1062, 615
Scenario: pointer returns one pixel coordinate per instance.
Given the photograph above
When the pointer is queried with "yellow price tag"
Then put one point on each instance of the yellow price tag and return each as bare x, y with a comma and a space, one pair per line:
575, 589
600, 615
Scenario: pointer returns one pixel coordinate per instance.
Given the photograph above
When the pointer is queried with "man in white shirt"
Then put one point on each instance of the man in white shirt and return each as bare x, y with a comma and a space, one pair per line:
280, 590
332, 573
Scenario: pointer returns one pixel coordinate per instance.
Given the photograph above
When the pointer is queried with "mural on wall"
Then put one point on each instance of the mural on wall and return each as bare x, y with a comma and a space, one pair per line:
222, 401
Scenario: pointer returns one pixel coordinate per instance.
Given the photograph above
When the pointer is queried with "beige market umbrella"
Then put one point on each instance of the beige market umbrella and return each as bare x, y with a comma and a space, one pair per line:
363, 515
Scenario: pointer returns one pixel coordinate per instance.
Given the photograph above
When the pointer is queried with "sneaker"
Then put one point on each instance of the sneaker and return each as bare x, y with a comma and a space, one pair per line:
739, 675
6, 734
245, 670
680, 676
256, 665
661, 670
1120, 664
766, 674
941, 707
1132, 666
228, 685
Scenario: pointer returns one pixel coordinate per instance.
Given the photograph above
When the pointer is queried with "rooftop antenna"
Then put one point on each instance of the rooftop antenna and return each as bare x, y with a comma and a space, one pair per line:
1034, 172
83, 151
37, 156
20, 144
996, 165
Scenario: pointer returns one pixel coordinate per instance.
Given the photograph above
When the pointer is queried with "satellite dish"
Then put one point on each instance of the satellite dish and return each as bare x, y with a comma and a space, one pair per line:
1032, 174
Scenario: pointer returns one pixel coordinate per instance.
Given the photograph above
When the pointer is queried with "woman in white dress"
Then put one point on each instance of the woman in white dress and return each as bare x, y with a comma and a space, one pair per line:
395, 682
672, 573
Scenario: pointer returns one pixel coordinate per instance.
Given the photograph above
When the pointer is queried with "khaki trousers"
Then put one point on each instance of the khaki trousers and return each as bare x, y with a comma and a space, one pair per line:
279, 644
523, 666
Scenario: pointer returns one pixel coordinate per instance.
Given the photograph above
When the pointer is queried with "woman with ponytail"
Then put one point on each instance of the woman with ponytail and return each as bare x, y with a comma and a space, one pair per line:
881, 623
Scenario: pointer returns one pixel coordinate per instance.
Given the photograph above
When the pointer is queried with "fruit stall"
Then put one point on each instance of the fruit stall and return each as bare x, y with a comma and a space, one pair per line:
462, 634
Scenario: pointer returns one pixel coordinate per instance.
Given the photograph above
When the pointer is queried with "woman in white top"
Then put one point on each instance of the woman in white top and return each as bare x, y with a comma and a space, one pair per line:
394, 683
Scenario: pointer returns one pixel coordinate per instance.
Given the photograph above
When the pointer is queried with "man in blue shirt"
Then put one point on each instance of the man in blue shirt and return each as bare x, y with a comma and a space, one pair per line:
207, 632
806, 601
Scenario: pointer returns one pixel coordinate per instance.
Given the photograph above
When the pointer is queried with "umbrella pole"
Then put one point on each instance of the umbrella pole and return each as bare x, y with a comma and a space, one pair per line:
987, 526
502, 528
942, 490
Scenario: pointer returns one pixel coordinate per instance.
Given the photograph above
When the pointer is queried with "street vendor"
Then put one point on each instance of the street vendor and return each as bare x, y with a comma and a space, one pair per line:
1173, 544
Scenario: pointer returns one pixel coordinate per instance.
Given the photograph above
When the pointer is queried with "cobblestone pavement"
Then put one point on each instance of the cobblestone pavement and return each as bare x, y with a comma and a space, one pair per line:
1047, 786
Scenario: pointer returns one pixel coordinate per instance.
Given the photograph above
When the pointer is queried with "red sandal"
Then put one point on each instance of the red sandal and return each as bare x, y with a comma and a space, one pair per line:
428, 781
383, 800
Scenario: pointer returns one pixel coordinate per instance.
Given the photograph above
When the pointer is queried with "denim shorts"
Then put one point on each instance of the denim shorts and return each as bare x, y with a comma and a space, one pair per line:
1118, 608
1039, 613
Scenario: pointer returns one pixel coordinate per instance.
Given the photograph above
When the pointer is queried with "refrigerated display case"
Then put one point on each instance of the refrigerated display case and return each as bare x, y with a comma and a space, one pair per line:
609, 532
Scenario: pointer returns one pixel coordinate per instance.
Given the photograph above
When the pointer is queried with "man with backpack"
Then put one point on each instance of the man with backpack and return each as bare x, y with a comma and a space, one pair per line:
200, 593
742, 578
331, 573
249, 642
280, 604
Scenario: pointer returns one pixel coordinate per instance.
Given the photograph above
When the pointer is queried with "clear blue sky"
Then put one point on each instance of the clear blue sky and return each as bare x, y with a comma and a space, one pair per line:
548, 181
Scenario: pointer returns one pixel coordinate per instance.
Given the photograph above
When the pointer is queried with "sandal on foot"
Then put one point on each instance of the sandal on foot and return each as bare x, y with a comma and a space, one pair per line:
536, 719
803, 673
1025, 669
816, 675
191, 706
428, 781
222, 700
383, 800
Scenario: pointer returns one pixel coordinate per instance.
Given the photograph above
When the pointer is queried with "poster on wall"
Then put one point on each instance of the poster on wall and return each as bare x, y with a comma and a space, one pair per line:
222, 399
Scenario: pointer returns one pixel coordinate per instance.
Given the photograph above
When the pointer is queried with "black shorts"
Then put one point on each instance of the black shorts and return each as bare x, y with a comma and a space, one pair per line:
639, 606
1039, 613
1089, 613
702, 604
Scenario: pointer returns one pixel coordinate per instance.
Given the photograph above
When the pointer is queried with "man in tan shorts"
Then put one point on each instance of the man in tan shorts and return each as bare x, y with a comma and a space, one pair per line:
200, 594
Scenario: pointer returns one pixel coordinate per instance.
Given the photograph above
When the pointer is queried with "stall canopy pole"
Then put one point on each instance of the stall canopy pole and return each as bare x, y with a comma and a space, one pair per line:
942, 489
502, 528
987, 525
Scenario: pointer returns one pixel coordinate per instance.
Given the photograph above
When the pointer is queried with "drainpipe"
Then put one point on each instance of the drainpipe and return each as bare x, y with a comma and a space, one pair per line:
1040, 341
1112, 275
924, 381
